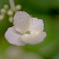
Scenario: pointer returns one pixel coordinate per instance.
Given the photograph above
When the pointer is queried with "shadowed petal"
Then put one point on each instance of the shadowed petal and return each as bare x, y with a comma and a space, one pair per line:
34, 38
13, 38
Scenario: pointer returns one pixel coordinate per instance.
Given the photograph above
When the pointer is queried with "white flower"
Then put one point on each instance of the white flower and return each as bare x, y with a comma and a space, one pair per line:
26, 30
10, 12
14, 52
6, 6
10, 19
1, 17
3, 11
18, 7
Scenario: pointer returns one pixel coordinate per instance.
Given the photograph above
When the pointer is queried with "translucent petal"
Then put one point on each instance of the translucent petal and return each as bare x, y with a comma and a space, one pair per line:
37, 24
34, 38
22, 21
12, 37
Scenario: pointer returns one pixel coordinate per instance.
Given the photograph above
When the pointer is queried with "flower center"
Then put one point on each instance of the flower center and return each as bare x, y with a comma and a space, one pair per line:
35, 32
28, 32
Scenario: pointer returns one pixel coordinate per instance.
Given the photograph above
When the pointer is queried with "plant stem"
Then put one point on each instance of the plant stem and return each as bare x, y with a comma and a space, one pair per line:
12, 4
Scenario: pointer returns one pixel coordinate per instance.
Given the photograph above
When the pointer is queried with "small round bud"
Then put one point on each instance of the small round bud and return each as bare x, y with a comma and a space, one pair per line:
18, 7
11, 19
3, 11
10, 12
1, 17
6, 6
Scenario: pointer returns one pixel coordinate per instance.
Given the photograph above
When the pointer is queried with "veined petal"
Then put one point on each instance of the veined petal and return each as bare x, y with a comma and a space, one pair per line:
13, 38
34, 38
37, 24
22, 21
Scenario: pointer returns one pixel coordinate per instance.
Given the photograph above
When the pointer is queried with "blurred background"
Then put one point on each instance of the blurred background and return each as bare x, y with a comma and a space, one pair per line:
48, 11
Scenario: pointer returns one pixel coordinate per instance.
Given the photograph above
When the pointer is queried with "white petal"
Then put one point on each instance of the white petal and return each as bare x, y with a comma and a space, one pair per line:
12, 37
34, 38
37, 24
22, 21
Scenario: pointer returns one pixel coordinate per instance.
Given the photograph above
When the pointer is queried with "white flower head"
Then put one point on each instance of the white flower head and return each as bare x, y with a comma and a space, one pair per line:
1, 17
10, 12
10, 19
3, 11
26, 30
18, 7
6, 6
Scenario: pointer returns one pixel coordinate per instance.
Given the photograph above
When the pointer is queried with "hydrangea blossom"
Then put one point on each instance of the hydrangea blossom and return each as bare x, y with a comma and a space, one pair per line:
26, 30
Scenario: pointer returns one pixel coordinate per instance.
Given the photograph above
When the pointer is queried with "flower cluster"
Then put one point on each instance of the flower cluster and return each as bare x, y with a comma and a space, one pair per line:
26, 30
9, 11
